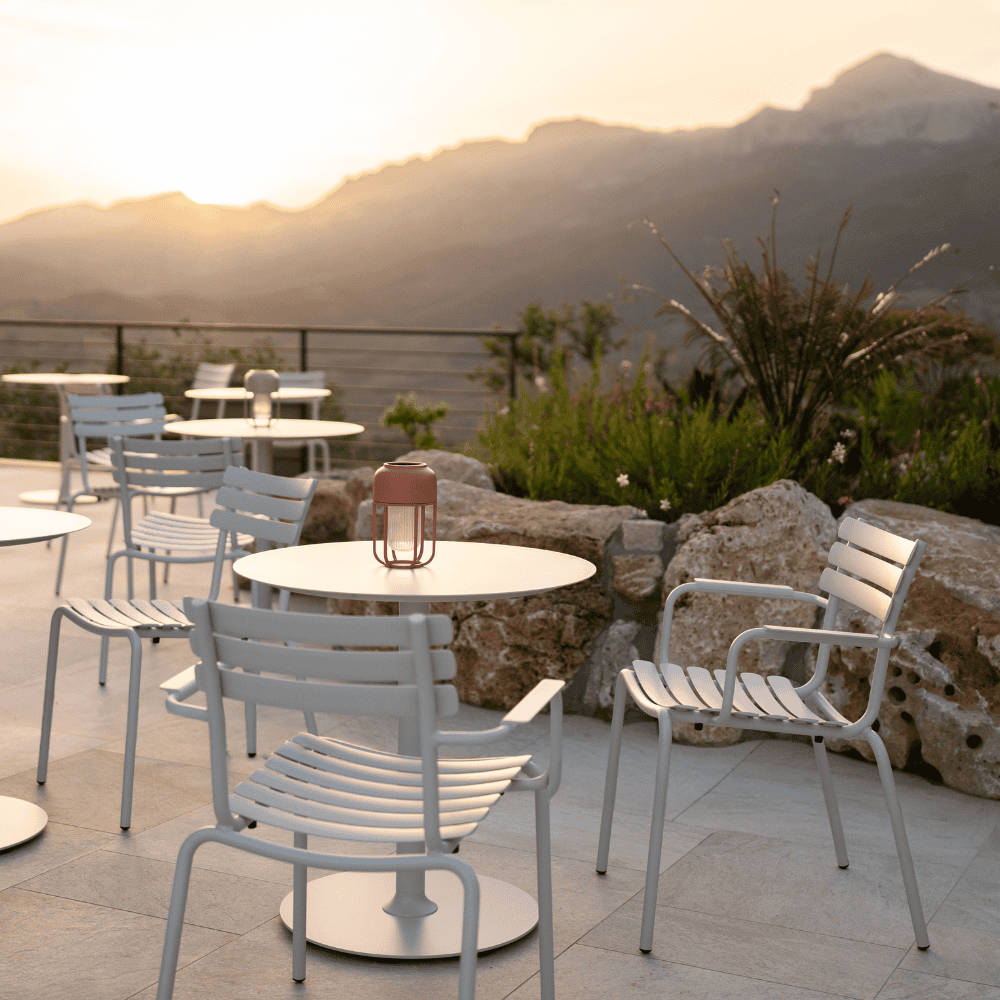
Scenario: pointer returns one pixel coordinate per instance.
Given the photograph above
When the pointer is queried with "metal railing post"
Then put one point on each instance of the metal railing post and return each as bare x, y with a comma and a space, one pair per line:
303, 350
512, 367
119, 354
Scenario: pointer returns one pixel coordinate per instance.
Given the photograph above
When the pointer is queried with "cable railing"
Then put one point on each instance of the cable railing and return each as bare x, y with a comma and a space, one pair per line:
366, 368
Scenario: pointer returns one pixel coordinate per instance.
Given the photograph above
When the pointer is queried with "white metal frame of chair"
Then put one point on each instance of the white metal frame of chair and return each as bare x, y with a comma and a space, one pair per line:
316, 786
100, 417
251, 505
308, 380
211, 376
870, 569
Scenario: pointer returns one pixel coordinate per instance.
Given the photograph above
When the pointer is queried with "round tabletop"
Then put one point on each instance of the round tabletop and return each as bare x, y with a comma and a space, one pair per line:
236, 393
278, 429
64, 378
460, 571
20, 525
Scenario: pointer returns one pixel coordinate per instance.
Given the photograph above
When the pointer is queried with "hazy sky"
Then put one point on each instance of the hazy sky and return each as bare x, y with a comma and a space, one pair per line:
236, 102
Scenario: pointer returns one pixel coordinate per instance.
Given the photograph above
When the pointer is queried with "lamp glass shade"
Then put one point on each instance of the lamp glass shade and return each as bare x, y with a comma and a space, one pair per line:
405, 494
259, 407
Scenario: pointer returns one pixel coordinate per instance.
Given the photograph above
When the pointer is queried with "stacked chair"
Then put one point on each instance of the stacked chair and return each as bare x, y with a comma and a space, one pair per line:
209, 376
308, 380
870, 569
251, 507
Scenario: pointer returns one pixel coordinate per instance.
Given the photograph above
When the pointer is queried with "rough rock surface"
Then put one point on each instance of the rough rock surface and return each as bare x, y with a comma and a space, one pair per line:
503, 647
777, 534
450, 465
334, 508
942, 696
613, 650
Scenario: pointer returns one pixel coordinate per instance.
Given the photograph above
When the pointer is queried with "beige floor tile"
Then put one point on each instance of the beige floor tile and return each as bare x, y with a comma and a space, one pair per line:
906, 985
53, 947
140, 885
961, 953
55, 846
791, 885
583, 973
747, 948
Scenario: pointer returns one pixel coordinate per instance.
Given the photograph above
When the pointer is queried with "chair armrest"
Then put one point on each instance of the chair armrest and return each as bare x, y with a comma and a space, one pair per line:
534, 701
863, 640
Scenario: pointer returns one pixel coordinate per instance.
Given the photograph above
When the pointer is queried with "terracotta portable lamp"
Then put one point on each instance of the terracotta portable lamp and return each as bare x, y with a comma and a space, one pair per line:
258, 407
404, 492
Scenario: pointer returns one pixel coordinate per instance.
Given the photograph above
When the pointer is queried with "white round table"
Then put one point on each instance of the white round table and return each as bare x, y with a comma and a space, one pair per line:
263, 438
62, 382
20, 820
344, 911
237, 394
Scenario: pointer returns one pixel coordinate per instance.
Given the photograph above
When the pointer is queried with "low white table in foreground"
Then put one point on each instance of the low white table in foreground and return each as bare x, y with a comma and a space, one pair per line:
345, 911
263, 438
20, 820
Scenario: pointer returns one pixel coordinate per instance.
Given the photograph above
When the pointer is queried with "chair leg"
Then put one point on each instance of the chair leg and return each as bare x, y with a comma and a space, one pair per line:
48, 701
131, 729
611, 775
102, 671
250, 721
902, 843
175, 916
114, 524
299, 890
543, 854
832, 810
152, 578
656, 832
470, 929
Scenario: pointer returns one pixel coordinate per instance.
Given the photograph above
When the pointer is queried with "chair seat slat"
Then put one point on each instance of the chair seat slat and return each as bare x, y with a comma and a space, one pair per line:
652, 684
786, 694
681, 689
757, 689
742, 704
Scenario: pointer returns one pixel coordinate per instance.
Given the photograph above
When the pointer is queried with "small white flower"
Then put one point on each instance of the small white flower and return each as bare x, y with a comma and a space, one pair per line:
541, 383
839, 454
622, 479
503, 411
849, 434
626, 365
842, 339
664, 505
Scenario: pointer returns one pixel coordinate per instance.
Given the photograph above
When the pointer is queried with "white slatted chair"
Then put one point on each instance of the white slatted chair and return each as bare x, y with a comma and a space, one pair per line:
308, 380
95, 419
140, 466
210, 376
870, 569
322, 787
251, 505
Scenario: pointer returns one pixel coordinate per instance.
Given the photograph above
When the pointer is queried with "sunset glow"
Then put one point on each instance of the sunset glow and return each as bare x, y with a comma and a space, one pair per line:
239, 102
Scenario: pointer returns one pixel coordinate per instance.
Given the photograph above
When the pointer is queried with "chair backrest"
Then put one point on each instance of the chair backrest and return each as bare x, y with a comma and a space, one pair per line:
871, 569
243, 656
109, 416
209, 376
141, 464
303, 380
272, 509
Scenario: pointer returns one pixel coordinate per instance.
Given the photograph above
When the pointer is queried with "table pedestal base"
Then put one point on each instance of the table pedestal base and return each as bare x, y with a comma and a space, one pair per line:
344, 912
19, 821
50, 497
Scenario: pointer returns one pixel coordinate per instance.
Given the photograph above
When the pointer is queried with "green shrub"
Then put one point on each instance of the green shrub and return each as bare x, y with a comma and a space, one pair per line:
408, 415
634, 444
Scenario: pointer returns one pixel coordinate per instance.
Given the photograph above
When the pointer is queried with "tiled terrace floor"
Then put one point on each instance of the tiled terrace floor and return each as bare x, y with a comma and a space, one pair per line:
751, 902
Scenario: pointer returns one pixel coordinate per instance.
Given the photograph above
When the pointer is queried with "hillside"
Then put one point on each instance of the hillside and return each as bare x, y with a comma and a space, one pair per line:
468, 236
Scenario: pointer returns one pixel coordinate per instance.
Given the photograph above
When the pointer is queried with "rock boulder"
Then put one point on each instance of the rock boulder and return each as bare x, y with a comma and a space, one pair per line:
941, 704
453, 466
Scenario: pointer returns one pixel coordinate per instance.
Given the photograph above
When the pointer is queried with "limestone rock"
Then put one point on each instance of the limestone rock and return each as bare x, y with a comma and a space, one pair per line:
450, 465
942, 695
777, 534
503, 647
613, 650
334, 508
637, 576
